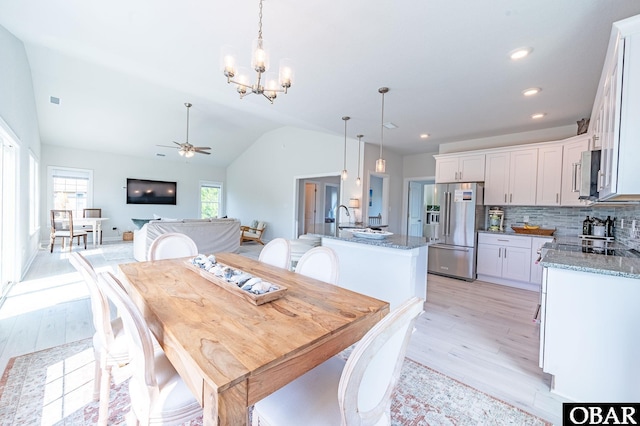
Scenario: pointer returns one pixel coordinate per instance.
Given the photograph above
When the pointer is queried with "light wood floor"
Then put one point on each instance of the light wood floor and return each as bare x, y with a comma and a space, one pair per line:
479, 333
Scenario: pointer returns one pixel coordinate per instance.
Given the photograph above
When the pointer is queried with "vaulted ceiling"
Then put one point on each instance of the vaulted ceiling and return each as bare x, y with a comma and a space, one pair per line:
123, 70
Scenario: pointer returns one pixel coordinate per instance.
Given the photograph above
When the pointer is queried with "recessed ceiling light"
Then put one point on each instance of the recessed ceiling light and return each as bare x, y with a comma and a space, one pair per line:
520, 53
531, 91
424, 136
538, 115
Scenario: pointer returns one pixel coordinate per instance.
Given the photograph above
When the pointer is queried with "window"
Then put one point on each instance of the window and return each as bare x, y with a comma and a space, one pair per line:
210, 199
71, 189
34, 173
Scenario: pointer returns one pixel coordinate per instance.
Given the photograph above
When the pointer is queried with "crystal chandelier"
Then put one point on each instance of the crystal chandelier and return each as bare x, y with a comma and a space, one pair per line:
380, 163
265, 84
344, 168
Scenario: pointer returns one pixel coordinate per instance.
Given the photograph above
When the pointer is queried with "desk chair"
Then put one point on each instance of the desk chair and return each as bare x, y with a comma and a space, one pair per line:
92, 213
62, 227
357, 392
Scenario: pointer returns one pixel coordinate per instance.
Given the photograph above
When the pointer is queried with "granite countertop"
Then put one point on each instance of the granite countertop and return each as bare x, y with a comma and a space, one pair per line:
620, 266
396, 241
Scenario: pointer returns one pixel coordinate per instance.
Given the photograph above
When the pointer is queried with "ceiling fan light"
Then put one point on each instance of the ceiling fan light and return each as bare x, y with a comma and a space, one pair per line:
181, 152
189, 154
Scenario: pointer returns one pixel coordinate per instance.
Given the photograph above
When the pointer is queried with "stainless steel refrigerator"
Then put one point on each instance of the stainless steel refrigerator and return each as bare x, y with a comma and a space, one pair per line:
453, 252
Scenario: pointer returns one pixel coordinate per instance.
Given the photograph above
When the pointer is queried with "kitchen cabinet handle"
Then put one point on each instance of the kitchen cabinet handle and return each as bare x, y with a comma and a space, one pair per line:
511, 198
557, 197
499, 252
600, 180
505, 197
499, 239
505, 252
456, 176
460, 175
574, 177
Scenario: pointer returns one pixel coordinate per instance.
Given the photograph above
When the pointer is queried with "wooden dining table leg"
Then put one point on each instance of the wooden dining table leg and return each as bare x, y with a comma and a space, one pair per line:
226, 408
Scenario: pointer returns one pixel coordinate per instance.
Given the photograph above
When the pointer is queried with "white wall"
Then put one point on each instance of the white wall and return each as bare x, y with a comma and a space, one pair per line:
18, 110
419, 165
110, 173
261, 182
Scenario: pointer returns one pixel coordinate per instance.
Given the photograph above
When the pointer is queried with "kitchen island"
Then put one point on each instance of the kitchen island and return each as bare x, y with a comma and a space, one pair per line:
392, 269
589, 324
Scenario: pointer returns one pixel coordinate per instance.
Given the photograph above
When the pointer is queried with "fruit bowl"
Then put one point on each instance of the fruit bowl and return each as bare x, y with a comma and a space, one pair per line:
532, 230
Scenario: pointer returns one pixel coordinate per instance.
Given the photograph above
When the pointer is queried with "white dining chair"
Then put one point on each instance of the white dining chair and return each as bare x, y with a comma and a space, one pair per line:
110, 345
320, 263
276, 252
357, 392
158, 393
171, 246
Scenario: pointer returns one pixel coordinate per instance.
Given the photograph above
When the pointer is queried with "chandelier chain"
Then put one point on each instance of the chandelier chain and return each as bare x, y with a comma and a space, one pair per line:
260, 22
382, 126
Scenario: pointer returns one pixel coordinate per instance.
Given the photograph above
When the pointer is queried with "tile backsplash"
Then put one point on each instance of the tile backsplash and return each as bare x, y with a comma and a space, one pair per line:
568, 220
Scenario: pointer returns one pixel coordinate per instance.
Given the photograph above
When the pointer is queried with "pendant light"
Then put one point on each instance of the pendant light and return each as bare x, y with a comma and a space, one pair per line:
344, 170
380, 163
358, 181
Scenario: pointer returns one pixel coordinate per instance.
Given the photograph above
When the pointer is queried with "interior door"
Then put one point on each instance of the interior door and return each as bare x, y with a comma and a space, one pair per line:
416, 210
310, 207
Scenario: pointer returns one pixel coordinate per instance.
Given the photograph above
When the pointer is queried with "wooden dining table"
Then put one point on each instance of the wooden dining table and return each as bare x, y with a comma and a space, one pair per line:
231, 352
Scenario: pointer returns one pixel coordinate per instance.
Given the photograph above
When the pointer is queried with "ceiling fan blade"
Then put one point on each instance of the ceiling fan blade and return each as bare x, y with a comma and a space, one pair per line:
178, 143
201, 147
166, 146
202, 152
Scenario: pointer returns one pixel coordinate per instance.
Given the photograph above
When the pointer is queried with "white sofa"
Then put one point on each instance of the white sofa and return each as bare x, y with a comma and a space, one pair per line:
210, 235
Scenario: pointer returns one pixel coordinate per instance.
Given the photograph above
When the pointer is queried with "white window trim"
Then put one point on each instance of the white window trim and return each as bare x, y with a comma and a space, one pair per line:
79, 172
221, 211
34, 185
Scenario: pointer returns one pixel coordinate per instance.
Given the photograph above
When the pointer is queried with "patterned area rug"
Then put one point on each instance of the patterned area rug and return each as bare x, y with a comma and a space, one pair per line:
54, 387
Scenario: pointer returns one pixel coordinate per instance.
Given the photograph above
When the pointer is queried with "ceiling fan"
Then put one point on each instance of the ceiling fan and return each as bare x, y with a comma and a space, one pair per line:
185, 149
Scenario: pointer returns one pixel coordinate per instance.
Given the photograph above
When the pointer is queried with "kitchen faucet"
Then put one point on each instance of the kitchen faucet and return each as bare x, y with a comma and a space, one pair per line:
337, 215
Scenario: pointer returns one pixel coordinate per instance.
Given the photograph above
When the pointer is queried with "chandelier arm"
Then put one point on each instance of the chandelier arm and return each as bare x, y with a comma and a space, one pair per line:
270, 100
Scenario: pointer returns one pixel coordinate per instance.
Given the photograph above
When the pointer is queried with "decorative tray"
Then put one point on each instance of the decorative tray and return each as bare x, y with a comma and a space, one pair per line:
536, 231
370, 233
272, 292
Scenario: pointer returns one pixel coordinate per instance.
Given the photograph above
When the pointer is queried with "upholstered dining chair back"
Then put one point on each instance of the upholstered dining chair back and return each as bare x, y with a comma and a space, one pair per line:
276, 252
171, 246
320, 263
355, 393
158, 394
109, 346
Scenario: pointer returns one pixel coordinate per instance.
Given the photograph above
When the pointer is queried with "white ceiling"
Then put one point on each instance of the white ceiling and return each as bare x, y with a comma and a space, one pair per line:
124, 69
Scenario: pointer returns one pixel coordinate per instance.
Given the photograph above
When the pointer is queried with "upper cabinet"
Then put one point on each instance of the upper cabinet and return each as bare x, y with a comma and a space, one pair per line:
451, 168
549, 175
510, 177
616, 110
571, 156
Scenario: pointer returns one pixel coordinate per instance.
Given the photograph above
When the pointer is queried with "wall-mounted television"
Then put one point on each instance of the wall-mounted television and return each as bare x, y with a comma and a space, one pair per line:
142, 191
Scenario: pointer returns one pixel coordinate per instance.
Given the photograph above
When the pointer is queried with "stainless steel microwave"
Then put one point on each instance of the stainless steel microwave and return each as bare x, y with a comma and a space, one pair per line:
589, 174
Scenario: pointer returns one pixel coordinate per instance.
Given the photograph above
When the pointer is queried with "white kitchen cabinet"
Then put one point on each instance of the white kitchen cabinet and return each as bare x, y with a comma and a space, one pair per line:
459, 168
549, 175
503, 258
588, 328
617, 108
510, 177
571, 154
536, 268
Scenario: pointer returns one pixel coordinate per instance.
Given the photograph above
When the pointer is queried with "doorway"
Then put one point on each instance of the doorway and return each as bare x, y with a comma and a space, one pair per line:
315, 207
422, 213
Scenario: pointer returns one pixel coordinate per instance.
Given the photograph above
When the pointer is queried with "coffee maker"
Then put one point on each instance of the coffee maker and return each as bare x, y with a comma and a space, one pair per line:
496, 219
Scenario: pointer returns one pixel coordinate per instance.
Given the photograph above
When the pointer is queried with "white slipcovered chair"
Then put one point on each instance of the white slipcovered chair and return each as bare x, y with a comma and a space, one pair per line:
158, 394
110, 345
320, 263
276, 252
357, 392
171, 246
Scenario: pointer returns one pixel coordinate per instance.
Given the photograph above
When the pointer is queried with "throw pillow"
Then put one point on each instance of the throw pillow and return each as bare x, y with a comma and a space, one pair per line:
254, 224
